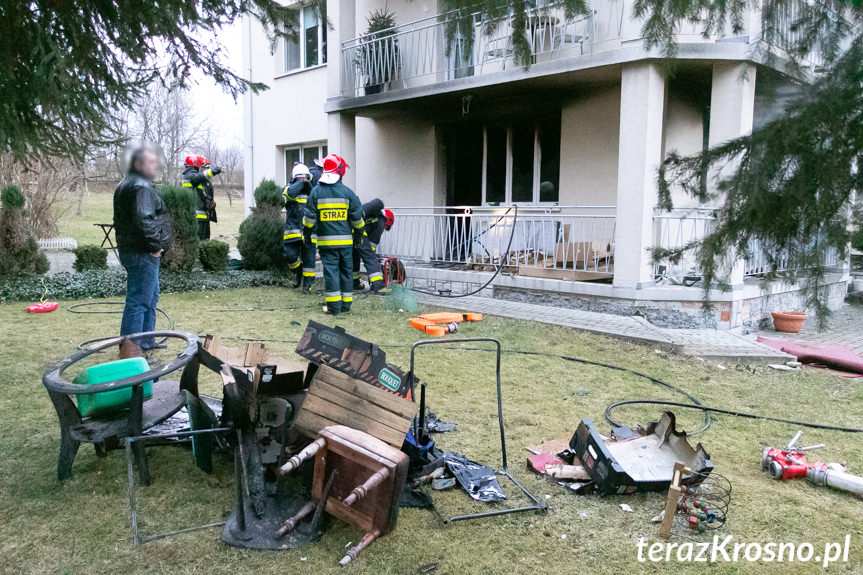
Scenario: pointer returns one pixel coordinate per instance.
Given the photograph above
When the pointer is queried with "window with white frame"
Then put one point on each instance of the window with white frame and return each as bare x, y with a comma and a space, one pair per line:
309, 47
305, 153
521, 162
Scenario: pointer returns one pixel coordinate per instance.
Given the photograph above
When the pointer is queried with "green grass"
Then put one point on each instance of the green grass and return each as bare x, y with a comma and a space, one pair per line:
81, 525
98, 208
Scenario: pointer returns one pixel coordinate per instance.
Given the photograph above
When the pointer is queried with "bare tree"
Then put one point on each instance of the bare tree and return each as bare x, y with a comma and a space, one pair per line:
166, 118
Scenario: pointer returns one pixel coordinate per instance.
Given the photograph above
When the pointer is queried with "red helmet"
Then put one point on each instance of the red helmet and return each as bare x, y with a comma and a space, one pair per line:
197, 161
334, 168
389, 219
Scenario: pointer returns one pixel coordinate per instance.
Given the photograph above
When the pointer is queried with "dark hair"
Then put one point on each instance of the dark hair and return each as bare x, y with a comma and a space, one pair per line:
136, 156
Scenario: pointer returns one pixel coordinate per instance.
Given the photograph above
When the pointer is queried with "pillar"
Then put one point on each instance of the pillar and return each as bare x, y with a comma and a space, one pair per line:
341, 127
642, 110
732, 106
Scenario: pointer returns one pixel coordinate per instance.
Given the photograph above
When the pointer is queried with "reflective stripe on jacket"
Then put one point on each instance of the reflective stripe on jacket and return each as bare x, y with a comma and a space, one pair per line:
333, 211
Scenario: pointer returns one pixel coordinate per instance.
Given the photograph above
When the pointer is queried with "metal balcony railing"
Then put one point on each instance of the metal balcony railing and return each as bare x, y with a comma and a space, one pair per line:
682, 226
579, 238
458, 44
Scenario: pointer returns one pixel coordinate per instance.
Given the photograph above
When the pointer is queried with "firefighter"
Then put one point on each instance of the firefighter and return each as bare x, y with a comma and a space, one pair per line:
197, 174
310, 239
377, 219
296, 194
333, 211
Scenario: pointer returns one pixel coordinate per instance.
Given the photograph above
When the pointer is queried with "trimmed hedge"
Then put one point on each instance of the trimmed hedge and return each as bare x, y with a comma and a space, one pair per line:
181, 204
213, 255
90, 257
112, 283
268, 193
260, 240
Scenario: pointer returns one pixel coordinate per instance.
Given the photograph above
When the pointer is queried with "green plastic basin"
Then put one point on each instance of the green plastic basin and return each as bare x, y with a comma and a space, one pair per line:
108, 402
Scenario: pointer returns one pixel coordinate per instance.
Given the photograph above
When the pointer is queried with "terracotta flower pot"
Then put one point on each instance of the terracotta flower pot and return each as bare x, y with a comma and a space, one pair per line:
788, 321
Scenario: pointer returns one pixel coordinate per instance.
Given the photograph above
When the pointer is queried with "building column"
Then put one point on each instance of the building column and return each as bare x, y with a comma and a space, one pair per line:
732, 106
341, 127
642, 111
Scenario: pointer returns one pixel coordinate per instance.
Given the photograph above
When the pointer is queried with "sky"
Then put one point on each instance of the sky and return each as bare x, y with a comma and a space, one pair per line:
225, 114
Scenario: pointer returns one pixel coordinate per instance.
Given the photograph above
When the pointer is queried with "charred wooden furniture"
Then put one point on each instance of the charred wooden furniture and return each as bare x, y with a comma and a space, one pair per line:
335, 398
167, 399
357, 478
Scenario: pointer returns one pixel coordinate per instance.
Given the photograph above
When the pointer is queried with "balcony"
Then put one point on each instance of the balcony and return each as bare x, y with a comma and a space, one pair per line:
458, 44
559, 242
458, 49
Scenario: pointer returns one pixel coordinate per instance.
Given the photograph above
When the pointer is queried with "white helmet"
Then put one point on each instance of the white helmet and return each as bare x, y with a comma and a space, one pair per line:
300, 170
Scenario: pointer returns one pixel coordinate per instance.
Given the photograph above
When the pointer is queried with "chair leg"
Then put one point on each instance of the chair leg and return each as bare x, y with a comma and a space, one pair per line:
68, 450
136, 415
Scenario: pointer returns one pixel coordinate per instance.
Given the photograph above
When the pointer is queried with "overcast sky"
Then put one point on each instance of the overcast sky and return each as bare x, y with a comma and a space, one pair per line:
215, 105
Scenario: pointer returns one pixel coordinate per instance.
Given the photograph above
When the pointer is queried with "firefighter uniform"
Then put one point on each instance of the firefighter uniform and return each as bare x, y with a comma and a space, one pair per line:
206, 210
310, 241
333, 211
296, 194
366, 245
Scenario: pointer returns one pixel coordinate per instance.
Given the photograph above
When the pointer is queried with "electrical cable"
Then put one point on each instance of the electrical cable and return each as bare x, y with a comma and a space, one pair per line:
695, 404
76, 309
496, 272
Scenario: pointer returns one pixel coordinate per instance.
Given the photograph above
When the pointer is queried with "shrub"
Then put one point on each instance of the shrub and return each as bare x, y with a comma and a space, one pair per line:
268, 193
213, 255
181, 204
90, 257
260, 240
112, 283
19, 252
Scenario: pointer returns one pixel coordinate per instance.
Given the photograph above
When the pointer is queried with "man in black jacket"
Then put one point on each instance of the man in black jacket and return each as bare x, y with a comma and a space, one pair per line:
143, 229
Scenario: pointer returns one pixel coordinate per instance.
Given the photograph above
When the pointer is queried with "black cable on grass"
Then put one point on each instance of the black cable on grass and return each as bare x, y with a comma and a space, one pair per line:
707, 410
76, 308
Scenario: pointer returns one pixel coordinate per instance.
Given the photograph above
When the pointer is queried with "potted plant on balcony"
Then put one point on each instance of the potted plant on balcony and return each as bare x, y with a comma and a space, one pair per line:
377, 57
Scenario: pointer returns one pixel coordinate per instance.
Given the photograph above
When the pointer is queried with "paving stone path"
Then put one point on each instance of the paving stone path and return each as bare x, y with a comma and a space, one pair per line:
721, 346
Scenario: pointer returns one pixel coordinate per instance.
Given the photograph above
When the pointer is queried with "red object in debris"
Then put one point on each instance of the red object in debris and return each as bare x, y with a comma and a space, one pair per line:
43, 307
826, 354
539, 461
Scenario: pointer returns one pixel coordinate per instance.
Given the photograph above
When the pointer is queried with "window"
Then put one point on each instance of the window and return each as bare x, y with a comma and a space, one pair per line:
305, 153
309, 47
522, 162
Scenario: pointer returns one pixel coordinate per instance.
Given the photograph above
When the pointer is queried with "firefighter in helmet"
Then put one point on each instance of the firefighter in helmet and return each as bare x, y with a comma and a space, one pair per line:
333, 211
296, 195
196, 175
377, 220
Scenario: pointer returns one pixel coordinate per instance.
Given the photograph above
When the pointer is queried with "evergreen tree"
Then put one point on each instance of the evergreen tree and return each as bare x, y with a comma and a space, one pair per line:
66, 68
790, 184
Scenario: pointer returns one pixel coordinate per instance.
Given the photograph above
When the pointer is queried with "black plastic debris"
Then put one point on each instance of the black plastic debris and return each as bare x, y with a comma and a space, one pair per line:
478, 480
435, 425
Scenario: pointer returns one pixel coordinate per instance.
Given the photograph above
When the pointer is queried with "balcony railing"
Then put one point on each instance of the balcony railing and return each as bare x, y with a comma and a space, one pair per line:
682, 226
457, 44
578, 238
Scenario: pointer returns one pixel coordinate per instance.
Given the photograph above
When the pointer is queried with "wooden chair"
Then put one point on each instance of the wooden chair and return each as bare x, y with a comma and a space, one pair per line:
167, 399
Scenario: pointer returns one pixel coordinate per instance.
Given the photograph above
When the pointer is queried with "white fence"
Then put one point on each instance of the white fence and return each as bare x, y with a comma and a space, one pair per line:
579, 238
54, 244
681, 227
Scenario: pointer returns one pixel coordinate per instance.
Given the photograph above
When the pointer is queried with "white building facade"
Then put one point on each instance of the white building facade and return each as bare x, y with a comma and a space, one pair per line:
436, 119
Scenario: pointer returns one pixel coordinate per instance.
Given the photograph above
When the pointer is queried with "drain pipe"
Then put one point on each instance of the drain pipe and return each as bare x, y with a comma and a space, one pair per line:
249, 177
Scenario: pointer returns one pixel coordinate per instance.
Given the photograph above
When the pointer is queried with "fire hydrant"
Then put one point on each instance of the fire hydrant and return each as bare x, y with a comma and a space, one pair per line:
789, 462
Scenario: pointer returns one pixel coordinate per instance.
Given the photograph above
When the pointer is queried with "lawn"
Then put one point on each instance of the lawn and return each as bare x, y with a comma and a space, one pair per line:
82, 524
97, 208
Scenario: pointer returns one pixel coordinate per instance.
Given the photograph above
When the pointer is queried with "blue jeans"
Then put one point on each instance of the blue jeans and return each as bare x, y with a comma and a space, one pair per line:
142, 295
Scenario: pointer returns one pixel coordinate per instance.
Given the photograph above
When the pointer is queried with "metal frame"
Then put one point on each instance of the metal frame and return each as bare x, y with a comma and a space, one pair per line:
137, 539
539, 505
